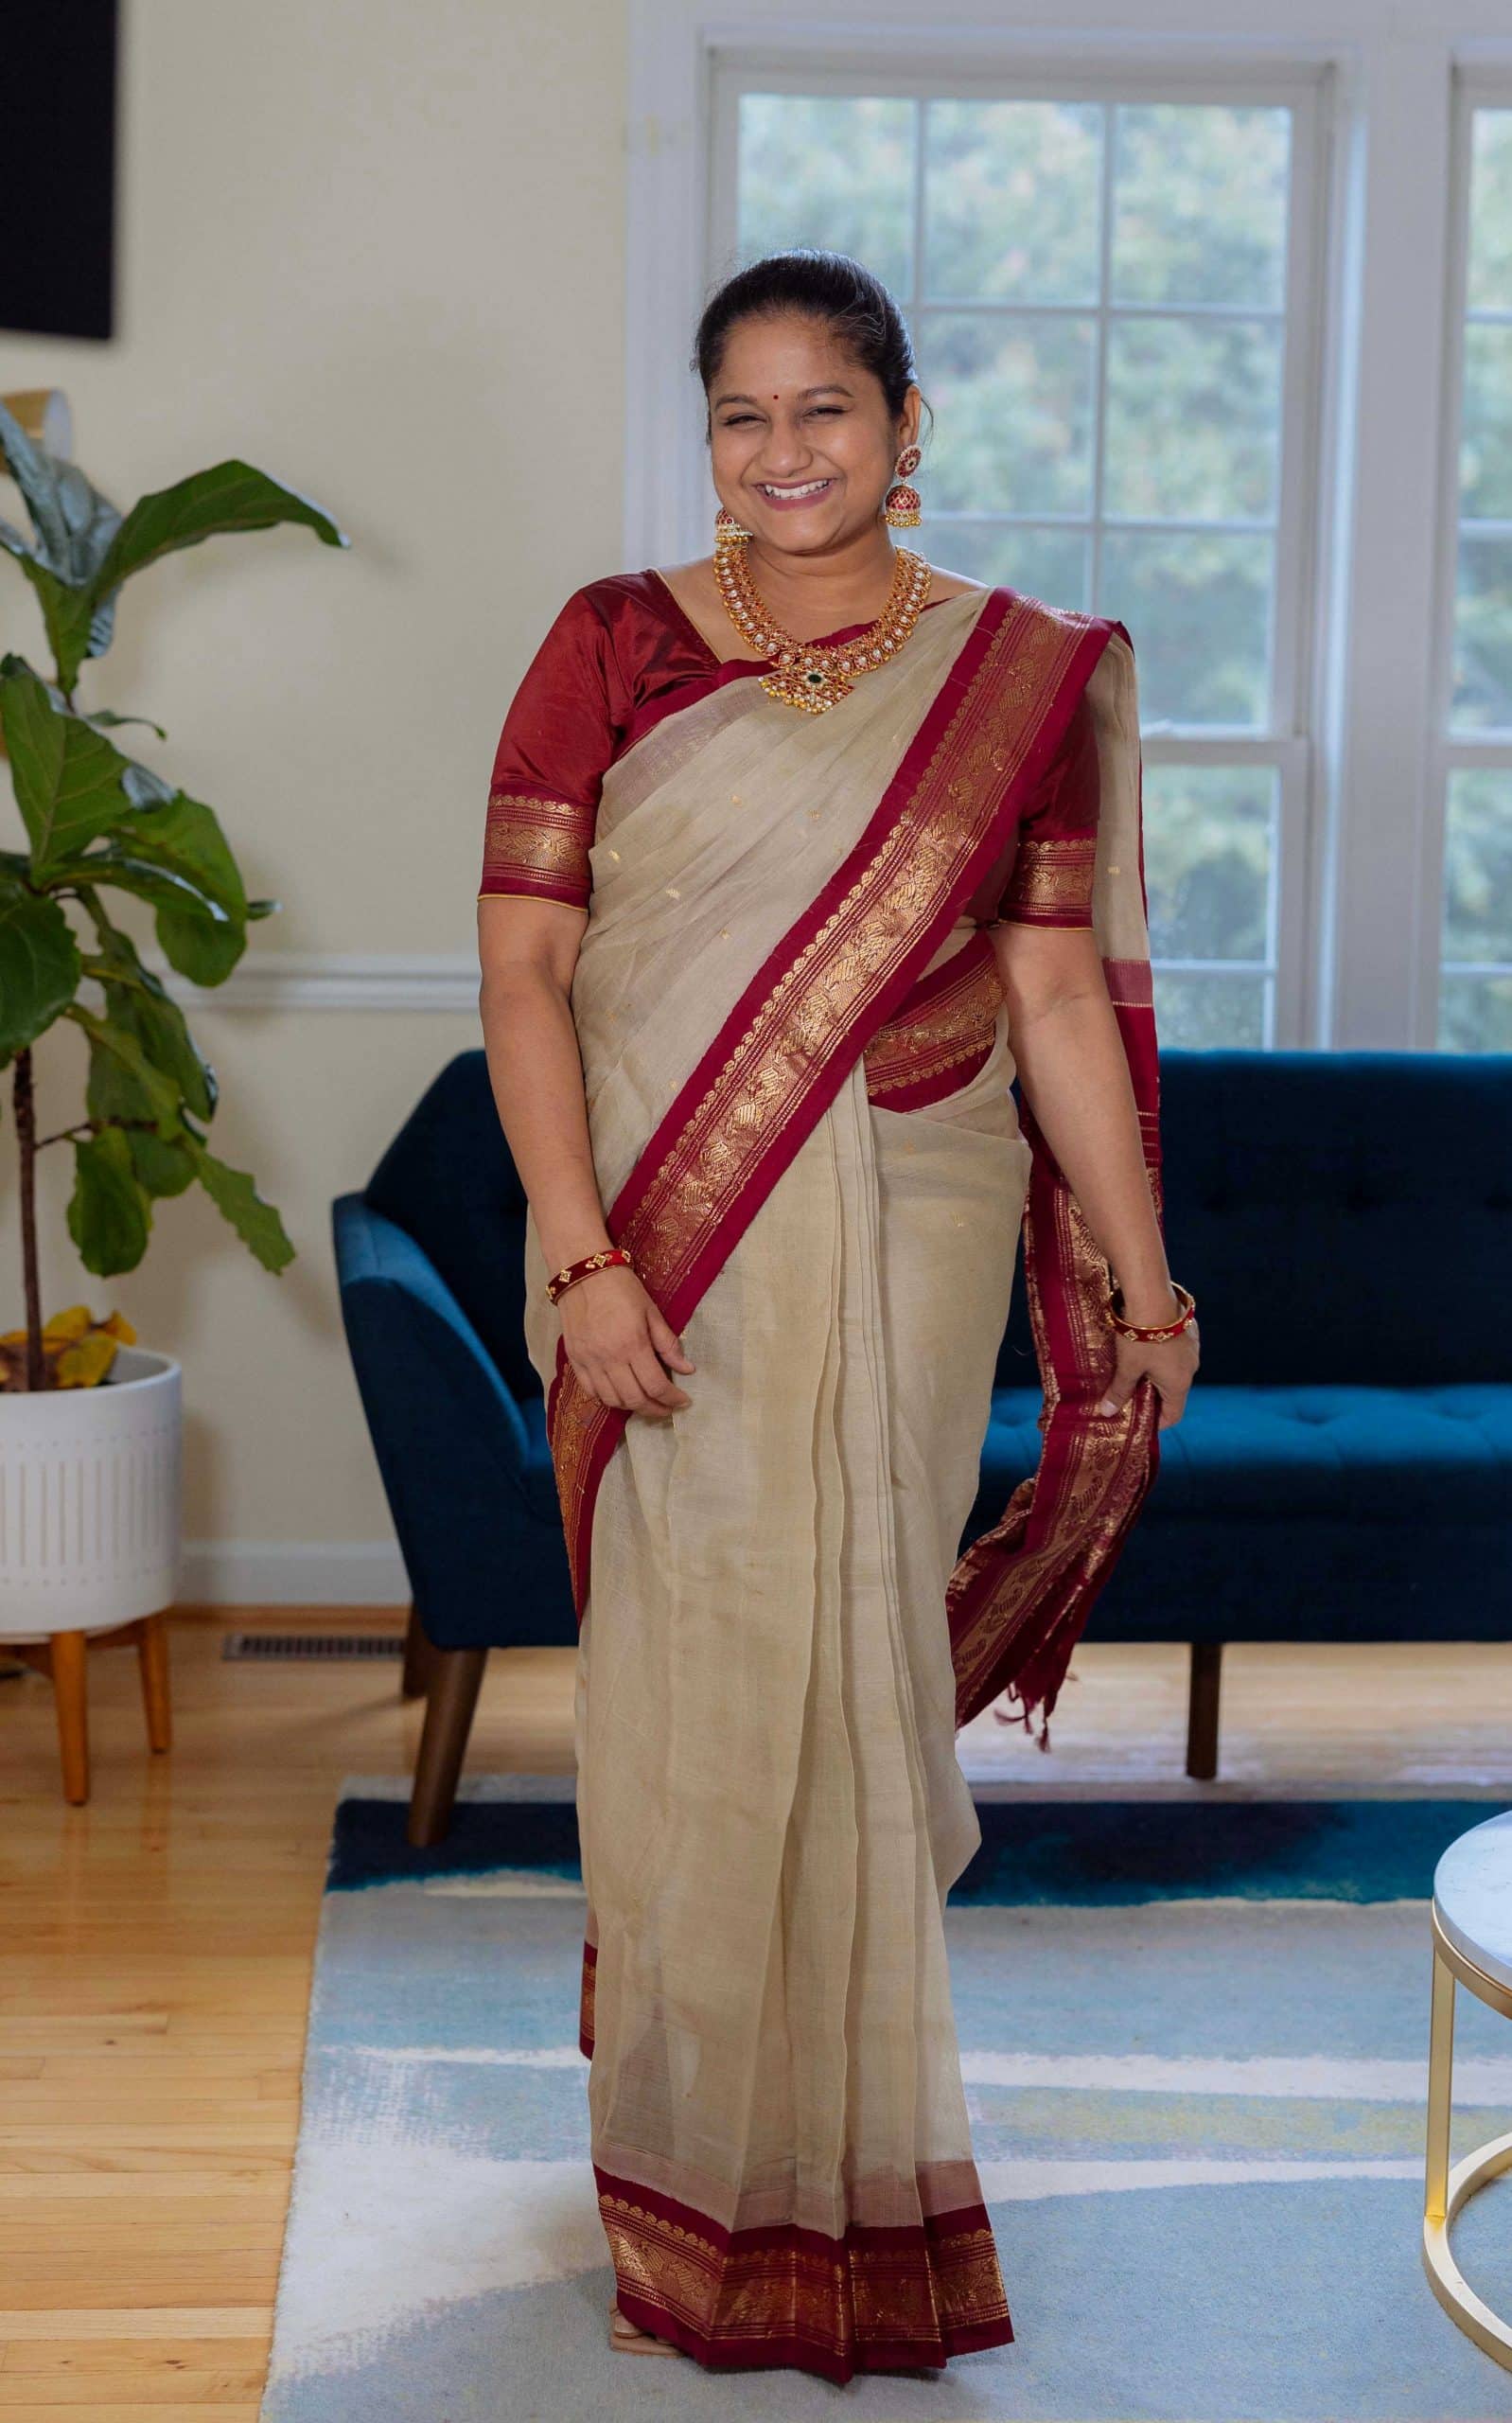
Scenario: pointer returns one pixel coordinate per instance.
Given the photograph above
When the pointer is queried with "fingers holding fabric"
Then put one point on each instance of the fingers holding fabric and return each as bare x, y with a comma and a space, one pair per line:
1170, 1364
621, 1348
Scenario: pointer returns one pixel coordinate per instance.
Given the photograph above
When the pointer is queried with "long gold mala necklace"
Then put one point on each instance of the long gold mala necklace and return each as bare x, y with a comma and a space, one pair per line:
808, 675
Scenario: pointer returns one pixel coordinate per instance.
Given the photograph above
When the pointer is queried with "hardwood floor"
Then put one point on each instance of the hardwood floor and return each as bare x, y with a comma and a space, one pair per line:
155, 1945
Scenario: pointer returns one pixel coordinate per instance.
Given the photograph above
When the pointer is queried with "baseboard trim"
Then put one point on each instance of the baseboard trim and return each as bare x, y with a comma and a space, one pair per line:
292, 1573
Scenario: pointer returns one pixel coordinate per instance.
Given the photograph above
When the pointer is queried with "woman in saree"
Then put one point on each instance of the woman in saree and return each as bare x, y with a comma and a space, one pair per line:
795, 856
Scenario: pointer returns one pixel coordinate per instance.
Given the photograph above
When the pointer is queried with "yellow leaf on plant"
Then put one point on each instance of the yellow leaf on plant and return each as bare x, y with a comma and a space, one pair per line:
117, 1325
81, 1365
73, 1324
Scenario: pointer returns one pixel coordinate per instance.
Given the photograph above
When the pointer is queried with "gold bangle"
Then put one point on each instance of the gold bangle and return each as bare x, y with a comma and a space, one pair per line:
1150, 1333
571, 1272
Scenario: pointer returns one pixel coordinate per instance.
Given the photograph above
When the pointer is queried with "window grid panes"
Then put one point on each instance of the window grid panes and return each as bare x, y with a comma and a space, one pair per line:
1097, 291
1475, 977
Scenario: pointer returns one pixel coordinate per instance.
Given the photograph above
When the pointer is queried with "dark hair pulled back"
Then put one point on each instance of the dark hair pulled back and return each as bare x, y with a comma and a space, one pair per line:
832, 288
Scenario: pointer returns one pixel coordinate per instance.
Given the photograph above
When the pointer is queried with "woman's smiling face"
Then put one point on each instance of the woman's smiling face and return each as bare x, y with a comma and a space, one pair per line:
801, 443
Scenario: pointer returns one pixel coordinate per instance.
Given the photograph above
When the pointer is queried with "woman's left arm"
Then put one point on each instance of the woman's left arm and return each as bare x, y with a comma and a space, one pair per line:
1064, 1036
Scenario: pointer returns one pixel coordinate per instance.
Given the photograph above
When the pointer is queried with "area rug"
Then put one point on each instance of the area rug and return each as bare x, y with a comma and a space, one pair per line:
1193, 2036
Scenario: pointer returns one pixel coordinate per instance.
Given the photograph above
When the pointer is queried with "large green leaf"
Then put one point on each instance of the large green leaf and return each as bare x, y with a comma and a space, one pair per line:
235, 1193
67, 775
173, 853
197, 935
184, 835
66, 613
229, 497
123, 1082
161, 1167
112, 864
73, 528
39, 965
137, 1002
109, 1216
203, 949
145, 787
73, 523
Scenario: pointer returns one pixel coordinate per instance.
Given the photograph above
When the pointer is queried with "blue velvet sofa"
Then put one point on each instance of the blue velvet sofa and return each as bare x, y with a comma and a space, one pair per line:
1344, 1471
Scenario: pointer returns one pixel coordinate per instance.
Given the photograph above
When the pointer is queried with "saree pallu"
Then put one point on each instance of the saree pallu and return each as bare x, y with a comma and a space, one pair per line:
798, 1068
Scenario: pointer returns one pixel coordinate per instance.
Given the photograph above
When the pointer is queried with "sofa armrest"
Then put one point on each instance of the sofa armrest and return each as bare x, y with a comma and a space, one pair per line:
451, 1440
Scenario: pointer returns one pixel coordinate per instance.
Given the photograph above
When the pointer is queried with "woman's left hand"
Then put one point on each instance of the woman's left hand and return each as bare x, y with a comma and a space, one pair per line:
1170, 1362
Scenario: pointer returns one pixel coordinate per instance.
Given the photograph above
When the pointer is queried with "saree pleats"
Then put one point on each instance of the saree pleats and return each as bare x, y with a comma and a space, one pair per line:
770, 1807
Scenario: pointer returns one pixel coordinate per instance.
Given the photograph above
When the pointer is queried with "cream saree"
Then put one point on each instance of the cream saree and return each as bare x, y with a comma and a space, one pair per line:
798, 1073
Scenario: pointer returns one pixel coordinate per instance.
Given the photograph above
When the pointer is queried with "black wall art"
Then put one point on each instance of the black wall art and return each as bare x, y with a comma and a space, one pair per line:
57, 166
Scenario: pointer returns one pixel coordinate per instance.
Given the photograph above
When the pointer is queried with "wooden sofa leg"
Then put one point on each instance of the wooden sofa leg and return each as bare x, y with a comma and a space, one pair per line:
1202, 1710
418, 1657
456, 1678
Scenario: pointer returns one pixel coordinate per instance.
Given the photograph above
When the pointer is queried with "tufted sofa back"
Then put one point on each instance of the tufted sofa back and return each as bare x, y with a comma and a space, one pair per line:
1341, 1216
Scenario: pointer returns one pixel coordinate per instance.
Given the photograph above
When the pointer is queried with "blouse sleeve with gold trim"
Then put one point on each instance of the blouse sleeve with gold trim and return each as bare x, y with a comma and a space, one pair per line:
557, 745
1050, 881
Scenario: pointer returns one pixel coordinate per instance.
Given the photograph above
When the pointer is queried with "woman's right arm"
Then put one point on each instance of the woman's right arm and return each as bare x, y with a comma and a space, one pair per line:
616, 1339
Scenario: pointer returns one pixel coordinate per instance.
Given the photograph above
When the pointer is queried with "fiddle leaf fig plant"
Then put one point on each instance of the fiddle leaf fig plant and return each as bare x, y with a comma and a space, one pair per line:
97, 822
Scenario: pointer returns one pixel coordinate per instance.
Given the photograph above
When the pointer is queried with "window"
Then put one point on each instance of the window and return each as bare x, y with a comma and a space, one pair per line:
1108, 295
1475, 967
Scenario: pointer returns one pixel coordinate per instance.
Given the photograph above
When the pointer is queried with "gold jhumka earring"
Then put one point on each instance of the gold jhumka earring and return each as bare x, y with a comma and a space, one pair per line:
904, 504
727, 531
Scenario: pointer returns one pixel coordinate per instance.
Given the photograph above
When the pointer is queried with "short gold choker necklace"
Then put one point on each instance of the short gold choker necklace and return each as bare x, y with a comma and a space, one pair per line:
808, 675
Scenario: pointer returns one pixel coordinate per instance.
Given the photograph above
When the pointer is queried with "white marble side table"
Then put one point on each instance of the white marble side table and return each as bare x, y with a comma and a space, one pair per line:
1472, 1941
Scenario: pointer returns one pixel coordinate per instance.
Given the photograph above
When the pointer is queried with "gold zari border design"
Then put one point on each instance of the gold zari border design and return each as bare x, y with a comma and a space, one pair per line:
544, 842
829, 2295
1051, 879
959, 1022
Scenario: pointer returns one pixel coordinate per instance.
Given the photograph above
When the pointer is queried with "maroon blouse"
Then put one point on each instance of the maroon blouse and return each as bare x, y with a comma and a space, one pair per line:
621, 654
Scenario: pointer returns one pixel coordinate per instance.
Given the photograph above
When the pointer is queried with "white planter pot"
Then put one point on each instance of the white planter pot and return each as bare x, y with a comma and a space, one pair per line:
89, 1500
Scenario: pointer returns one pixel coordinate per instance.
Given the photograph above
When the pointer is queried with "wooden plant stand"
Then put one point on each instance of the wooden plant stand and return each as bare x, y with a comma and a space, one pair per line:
61, 1656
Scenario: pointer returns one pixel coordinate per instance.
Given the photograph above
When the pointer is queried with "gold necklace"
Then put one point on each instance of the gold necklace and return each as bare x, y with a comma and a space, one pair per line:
807, 674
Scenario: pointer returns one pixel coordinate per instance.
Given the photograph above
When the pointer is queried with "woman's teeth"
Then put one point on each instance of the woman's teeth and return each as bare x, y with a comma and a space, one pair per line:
810, 487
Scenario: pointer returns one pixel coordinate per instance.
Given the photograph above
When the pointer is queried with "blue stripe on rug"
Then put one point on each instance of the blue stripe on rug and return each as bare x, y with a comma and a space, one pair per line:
1032, 1852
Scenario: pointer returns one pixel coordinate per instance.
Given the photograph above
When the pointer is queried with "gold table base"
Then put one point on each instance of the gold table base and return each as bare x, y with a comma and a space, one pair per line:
1445, 2191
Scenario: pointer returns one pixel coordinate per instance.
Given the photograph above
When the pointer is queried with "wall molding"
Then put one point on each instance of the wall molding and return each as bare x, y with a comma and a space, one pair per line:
292, 980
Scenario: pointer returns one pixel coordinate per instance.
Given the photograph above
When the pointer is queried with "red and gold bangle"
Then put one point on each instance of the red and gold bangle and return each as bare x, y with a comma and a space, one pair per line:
1148, 1331
571, 1272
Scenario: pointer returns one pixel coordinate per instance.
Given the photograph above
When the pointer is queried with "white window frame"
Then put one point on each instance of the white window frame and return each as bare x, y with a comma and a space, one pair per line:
1474, 88
1367, 884
1282, 743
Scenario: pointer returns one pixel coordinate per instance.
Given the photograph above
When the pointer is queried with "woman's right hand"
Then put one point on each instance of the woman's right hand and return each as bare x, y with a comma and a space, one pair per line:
619, 1346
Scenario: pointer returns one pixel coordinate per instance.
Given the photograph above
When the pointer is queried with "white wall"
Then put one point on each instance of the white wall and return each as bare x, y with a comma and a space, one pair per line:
379, 250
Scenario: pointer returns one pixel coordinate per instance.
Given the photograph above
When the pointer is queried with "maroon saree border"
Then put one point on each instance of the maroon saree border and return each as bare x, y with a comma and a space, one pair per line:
942, 1035
898, 2299
796, 1032
587, 1981
1019, 1597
